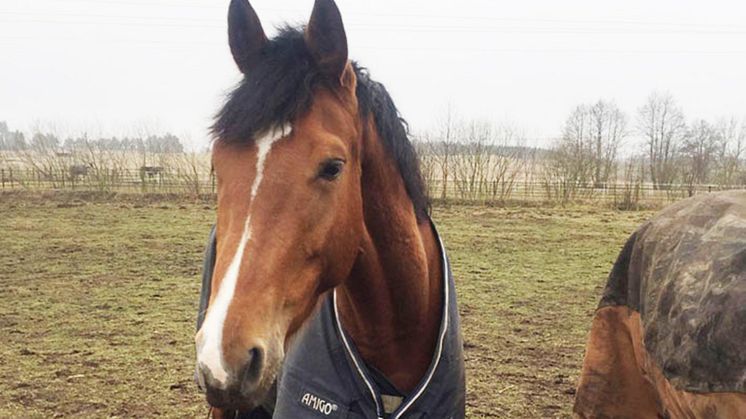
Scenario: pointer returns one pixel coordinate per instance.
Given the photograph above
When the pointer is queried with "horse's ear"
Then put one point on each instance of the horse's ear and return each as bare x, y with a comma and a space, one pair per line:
245, 35
326, 38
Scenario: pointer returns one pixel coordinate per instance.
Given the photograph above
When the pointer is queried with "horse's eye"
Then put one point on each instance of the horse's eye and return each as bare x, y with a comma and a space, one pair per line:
331, 169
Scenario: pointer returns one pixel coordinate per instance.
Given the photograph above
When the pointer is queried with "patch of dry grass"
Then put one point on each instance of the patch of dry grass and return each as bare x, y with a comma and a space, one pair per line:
98, 301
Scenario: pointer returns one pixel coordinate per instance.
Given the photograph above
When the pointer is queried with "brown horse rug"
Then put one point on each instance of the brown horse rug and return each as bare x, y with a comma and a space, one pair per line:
669, 336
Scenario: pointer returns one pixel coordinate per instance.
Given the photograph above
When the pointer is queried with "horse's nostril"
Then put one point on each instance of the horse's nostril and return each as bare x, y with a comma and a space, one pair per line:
253, 369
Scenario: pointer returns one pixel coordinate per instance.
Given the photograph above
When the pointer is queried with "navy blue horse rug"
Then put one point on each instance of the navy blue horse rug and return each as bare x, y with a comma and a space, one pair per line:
323, 374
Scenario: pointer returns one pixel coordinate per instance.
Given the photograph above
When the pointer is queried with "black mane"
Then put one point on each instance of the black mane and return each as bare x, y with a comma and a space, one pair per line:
281, 88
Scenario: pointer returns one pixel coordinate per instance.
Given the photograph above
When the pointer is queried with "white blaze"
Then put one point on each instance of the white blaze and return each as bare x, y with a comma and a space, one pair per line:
210, 345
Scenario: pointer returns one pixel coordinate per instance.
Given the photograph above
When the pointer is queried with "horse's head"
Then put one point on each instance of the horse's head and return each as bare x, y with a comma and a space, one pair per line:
290, 212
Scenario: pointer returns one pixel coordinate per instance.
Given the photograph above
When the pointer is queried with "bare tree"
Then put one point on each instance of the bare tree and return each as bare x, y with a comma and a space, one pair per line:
143, 130
699, 150
106, 168
42, 155
607, 131
471, 163
444, 144
661, 123
531, 162
190, 171
585, 157
571, 164
507, 159
631, 188
732, 151
567, 171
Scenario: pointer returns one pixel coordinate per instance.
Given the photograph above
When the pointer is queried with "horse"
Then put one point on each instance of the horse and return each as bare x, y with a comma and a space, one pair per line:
78, 170
330, 291
668, 339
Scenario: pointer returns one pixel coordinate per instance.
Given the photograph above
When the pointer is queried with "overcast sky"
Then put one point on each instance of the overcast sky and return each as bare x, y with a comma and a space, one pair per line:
131, 66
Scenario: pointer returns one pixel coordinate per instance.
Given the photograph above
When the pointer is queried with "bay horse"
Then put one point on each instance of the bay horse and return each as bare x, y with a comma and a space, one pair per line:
669, 337
330, 293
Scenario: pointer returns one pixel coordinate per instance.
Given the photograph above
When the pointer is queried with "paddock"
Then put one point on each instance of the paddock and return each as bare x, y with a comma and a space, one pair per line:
99, 297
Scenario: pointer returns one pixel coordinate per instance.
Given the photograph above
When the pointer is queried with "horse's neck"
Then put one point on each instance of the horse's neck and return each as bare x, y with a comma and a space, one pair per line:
391, 304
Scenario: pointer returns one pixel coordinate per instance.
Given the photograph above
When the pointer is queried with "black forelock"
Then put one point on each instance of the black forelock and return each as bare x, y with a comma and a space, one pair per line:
277, 90
280, 89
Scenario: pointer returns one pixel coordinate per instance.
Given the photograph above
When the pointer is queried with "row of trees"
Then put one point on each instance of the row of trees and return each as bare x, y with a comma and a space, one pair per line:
16, 141
166, 143
474, 159
587, 152
102, 163
11, 140
670, 150
600, 148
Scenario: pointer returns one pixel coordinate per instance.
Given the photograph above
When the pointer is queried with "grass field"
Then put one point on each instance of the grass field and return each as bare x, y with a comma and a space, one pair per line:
98, 301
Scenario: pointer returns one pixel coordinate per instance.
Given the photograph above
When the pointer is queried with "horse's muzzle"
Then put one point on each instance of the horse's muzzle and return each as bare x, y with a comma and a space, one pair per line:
242, 390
